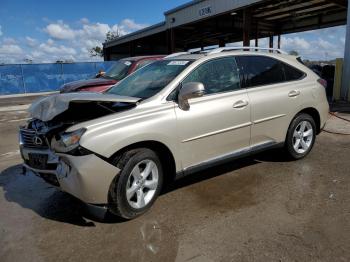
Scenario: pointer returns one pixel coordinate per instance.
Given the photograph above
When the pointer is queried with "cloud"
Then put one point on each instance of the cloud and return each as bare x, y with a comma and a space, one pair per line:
11, 53
128, 25
60, 31
325, 44
31, 42
295, 43
95, 31
84, 20
10, 49
50, 47
80, 37
9, 41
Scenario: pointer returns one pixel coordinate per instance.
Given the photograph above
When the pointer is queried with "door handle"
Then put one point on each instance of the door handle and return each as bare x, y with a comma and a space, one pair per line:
294, 93
240, 104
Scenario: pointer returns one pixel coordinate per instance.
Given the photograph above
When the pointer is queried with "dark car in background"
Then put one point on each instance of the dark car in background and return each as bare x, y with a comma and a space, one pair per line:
117, 72
326, 72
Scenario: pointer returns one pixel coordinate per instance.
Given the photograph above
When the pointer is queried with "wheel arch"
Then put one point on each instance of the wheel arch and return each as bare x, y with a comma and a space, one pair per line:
164, 153
313, 112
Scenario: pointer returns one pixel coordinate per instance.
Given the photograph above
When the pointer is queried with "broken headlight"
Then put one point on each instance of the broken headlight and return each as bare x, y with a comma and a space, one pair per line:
68, 141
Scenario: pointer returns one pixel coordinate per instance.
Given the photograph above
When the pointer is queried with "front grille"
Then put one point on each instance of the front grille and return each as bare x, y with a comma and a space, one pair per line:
30, 138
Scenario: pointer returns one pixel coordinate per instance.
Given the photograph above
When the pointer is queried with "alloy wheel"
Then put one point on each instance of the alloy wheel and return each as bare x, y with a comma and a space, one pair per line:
302, 137
142, 184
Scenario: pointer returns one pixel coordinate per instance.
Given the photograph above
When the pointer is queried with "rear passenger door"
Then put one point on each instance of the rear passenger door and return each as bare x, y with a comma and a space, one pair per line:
274, 94
218, 123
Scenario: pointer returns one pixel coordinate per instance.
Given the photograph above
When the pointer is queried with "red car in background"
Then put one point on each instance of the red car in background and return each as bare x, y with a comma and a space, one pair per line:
117, 72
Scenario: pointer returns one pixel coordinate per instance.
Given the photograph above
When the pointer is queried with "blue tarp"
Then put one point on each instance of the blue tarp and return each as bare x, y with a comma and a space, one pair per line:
33, 78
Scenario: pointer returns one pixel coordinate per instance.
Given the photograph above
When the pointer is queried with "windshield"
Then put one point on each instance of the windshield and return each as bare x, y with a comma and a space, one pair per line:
119, 70
150, 79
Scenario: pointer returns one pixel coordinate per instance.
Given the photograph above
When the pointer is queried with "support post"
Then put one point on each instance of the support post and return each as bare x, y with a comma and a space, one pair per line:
271, 41
344, 91
221, 42
132, 48
337, 78
257, 35
23, 81
106, 54
279, 42
171, 41
247, 18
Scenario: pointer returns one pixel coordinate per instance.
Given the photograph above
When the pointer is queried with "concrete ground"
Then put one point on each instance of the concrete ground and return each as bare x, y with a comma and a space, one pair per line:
262, 208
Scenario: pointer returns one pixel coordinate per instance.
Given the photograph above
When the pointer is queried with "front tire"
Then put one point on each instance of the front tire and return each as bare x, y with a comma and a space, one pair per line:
137, 186
301, 136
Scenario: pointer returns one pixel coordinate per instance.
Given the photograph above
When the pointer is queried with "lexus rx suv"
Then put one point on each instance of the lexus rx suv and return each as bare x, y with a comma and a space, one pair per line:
173, 117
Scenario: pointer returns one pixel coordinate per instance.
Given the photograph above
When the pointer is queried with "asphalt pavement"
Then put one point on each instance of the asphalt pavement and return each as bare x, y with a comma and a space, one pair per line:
261, 208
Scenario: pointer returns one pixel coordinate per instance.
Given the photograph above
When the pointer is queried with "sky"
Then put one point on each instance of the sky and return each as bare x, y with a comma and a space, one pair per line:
49, 30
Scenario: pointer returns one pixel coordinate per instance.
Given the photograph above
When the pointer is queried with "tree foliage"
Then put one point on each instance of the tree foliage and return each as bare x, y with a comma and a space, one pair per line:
98, 50
293, 52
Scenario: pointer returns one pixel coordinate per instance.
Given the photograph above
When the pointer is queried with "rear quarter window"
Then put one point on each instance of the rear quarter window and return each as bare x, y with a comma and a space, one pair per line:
259, 70
291, 73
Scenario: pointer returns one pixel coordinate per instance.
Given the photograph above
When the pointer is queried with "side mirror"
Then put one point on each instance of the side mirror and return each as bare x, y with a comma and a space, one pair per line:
188, 91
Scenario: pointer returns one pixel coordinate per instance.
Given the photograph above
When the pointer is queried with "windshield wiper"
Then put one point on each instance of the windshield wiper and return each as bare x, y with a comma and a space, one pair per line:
107, 77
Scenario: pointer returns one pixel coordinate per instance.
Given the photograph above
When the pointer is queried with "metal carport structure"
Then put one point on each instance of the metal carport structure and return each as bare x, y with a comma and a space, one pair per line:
203, 23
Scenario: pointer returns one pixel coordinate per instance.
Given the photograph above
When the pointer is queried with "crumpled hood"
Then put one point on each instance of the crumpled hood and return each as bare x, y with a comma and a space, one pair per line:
76, 85
47, 108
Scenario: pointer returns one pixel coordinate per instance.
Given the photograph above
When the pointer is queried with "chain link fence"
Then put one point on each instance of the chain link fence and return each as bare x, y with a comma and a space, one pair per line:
33, 78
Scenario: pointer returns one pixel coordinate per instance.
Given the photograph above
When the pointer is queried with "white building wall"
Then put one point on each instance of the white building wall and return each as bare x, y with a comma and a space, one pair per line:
204, 9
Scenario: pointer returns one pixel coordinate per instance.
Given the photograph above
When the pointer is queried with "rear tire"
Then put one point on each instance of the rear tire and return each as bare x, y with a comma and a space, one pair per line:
134, 190
301, 136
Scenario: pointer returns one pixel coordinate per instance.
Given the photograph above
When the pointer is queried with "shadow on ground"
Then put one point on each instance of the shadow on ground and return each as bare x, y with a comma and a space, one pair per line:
31, 192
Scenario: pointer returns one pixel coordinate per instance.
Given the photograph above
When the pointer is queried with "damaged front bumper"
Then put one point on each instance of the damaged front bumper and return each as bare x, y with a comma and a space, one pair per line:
86, 177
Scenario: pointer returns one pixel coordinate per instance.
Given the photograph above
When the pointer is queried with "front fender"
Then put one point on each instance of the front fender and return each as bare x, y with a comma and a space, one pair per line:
159, 126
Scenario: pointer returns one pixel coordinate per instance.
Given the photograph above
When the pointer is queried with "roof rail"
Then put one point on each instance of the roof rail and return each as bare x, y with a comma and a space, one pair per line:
231, 48
177, 54
227, 48
188, 53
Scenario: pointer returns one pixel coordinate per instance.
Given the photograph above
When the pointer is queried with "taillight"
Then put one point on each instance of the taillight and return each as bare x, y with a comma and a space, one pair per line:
322, 82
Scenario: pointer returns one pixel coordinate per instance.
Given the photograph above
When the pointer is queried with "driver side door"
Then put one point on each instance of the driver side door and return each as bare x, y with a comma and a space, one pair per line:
217, 125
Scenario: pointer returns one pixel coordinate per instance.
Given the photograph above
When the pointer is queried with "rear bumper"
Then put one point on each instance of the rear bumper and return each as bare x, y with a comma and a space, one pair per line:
324, 114
86, 177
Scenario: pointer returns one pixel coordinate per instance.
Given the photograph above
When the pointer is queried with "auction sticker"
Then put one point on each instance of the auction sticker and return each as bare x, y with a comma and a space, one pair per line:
178, 62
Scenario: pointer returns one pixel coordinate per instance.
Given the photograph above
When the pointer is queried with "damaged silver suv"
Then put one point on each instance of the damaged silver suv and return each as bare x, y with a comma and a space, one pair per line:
173, 117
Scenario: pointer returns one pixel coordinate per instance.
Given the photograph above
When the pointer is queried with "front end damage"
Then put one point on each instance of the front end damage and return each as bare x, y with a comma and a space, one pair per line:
56, 155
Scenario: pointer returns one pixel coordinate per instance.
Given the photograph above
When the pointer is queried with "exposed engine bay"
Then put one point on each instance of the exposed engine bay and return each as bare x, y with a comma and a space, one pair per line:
52, 115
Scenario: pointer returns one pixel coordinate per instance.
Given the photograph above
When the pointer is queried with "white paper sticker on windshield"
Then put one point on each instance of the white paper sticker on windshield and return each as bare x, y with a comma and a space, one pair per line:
127, 63
178, 62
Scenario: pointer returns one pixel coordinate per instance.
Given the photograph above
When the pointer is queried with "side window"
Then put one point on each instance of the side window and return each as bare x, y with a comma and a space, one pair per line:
260, 70
292, 73
219, 75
